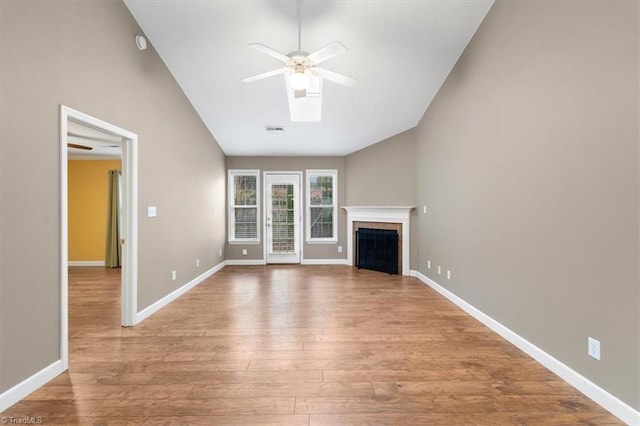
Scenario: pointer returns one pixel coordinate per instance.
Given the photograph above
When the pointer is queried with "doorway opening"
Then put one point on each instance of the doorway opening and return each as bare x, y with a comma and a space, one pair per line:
283, 217
71, 120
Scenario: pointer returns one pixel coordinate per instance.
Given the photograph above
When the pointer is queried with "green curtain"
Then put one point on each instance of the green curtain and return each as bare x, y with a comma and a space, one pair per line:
113, 256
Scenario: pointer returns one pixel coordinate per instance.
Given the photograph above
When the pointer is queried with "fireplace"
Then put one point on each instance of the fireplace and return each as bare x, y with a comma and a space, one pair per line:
377, 249
387, 218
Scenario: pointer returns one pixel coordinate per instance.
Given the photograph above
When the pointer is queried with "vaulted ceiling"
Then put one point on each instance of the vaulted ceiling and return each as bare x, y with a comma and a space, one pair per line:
400, 53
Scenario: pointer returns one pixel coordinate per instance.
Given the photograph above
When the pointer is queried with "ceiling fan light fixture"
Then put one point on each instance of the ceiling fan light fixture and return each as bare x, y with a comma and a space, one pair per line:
299, 80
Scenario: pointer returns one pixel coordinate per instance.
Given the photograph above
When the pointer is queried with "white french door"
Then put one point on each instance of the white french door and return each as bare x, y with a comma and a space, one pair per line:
282, 217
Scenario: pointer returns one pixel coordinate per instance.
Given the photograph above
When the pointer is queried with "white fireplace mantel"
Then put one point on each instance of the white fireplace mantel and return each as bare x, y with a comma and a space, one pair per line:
391, 214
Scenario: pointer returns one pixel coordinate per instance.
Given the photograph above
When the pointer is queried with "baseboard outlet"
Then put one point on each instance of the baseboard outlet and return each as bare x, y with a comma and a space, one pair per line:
247, 262
324, 262
86, 263
27, 386
155, 307
609, 402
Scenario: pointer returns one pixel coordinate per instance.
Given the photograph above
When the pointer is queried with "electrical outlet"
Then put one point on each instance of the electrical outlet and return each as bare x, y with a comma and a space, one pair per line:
448, 274
339, 249
244, 252
428, 264
173, 275
439, 270
424, 209
197, 263
220, 252
593, 348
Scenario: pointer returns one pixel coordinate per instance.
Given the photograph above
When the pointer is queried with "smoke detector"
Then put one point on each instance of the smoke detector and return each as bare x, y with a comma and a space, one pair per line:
141, 42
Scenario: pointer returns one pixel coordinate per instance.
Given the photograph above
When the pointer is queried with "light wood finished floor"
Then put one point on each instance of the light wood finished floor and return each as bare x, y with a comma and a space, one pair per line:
296, 345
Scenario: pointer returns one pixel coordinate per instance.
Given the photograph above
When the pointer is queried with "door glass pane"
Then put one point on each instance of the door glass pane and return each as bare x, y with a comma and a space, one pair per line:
282, 221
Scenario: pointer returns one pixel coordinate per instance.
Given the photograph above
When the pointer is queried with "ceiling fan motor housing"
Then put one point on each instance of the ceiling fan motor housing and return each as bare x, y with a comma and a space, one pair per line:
299, 58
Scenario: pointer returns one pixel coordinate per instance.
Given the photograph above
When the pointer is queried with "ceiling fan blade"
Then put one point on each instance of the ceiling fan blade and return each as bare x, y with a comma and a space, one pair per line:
335, 77
300, 93
269, 51
264, 75
329, 51
76, 146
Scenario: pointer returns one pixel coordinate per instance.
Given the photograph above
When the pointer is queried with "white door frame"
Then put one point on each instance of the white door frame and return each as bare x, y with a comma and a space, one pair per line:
300, 210
130, 222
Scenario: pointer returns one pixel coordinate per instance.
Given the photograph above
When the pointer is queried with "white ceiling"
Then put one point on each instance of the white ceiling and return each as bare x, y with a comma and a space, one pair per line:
103, 145
399, 51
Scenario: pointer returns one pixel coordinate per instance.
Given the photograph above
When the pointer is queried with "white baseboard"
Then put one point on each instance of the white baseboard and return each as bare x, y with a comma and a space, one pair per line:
246, 262
302, 262
155, 307
27, 386
86, 263
324, 262
608, 401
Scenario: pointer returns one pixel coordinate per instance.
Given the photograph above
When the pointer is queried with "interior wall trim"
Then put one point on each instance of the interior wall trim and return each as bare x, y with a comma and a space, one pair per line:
605, 399
30, 384
86, 263
129, 273
324, 262
156, 306
247, 262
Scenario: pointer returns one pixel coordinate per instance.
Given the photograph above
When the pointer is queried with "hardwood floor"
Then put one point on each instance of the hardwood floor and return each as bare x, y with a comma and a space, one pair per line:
295, 345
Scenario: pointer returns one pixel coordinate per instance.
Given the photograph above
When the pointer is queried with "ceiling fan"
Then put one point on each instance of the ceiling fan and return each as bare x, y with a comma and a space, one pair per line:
301, 66
77, 146
94, 142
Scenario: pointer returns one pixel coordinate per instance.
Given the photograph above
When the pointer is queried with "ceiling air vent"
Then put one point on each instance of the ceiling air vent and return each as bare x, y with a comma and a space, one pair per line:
274, 129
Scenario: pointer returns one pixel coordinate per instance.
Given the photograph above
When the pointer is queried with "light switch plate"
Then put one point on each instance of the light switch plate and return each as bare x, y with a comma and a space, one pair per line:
593, 348
152, 211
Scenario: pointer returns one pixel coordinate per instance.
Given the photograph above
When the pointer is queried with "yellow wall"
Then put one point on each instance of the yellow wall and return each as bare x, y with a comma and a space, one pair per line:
88, 188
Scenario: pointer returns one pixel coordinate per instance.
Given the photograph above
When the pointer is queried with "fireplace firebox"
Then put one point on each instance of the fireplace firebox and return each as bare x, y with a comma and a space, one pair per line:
377, 249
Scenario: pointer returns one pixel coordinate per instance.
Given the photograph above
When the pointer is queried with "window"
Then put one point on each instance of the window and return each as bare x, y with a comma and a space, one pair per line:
244, 193
322, 196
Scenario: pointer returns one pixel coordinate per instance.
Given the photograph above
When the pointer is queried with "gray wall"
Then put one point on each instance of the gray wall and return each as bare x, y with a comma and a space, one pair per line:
82, 54
294, 164
384, 174
528, 163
